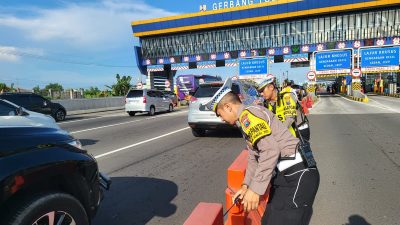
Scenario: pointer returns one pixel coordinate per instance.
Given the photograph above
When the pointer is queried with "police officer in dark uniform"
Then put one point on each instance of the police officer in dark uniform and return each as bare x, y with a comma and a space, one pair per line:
274, 156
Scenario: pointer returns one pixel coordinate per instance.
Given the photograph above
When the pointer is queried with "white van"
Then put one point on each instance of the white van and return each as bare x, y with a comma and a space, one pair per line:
145, 100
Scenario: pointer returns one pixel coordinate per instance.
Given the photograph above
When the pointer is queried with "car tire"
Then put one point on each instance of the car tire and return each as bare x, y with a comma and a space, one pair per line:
170, 108
59, 115
198, 132
131, 113
152, 111
38, 209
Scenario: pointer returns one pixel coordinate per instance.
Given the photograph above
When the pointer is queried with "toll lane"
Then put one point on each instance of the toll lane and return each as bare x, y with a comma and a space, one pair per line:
357, 148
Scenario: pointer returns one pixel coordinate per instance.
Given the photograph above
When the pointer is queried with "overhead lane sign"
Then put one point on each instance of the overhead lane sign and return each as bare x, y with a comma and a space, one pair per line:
380, 59
253, 67
333, 60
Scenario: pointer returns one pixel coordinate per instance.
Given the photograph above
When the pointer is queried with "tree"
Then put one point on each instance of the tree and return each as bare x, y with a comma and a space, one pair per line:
92, 92
5, 88
36, 89
54, 87
122, 86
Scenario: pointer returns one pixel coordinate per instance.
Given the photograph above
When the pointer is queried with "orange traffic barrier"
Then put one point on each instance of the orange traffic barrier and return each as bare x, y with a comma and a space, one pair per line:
235, 177
206, 214
304, 106
309, 102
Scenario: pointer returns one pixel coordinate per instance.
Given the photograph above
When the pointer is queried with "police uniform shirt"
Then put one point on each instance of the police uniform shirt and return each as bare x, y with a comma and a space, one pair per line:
264, 153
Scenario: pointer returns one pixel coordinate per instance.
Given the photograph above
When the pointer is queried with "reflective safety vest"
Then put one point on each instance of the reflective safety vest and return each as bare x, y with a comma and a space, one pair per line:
285, 106
253, 127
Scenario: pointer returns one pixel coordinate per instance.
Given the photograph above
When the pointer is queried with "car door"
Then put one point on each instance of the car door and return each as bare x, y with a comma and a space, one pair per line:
160, 100
39, 104
165, 100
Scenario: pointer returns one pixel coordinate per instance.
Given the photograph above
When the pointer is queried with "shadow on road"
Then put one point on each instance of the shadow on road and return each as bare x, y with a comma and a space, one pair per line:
357, 220
86, 142
233, 133
136, 200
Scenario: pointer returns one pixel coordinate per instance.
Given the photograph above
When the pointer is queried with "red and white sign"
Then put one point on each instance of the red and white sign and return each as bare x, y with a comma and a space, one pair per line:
167, 84
311, 75
356, 72
139, 85
285, 50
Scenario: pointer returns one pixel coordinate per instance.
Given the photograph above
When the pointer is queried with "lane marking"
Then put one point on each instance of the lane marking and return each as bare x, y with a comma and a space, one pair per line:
128, 122
363, 103
99, 117
139, 143
118, 124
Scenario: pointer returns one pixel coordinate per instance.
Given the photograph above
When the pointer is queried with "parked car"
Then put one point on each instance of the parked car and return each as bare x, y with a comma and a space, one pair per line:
46, 178
37, 103
172, 96
14, 115
146, 100
200, 118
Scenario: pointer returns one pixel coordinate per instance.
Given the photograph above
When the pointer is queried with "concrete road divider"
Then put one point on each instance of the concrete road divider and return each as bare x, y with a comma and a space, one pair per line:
206, 214
81, 106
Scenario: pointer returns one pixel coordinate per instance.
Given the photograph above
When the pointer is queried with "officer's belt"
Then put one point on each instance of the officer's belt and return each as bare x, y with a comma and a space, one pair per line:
284, 164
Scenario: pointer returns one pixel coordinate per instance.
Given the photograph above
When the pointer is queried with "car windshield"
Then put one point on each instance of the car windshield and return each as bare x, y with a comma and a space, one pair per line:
135, 93
206, 91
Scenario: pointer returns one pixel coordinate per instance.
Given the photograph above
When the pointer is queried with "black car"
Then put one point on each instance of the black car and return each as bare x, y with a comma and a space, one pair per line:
36, 103
46, 178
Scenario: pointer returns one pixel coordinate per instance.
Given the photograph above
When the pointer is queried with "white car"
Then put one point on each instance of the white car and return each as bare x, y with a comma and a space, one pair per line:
201, 119
146, 100
12, 115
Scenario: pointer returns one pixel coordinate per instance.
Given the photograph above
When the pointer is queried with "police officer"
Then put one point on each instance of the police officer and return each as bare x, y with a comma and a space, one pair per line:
272, 150
286, 106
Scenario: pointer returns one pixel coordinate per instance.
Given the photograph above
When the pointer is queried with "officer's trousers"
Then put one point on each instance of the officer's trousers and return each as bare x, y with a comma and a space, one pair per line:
292, 196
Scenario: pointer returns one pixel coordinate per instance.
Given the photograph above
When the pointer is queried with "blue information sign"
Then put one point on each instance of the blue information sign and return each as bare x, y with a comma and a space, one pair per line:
378, 57
333, 60
253, 66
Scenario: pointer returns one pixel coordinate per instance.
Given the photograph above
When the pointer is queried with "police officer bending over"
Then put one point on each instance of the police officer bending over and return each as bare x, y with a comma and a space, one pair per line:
272, 150
286, 106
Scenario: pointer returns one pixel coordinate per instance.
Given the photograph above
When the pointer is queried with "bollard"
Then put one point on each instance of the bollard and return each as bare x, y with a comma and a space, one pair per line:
206, 214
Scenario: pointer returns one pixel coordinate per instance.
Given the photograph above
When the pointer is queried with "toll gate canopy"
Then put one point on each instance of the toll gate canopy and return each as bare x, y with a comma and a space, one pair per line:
281, 30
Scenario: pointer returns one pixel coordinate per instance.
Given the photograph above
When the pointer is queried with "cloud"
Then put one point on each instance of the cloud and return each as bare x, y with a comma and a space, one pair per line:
13, 54
101, 25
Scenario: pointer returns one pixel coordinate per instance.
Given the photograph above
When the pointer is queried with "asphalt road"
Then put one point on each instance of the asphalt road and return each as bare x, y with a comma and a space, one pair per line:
160, 171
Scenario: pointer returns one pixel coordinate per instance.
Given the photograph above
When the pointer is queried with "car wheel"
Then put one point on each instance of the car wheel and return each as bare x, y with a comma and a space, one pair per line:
46, 209
198, 132
152, 111
131, 113
59, 115
171, 108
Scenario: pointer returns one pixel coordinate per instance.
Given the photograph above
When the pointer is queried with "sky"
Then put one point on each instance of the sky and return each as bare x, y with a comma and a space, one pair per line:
82, 43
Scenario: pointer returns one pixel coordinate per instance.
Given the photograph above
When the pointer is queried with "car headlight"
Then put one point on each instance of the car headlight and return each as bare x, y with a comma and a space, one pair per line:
76, 143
